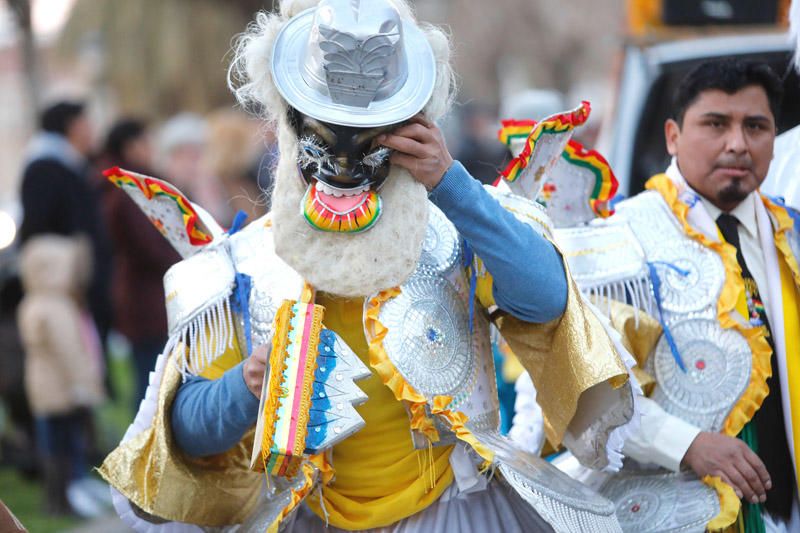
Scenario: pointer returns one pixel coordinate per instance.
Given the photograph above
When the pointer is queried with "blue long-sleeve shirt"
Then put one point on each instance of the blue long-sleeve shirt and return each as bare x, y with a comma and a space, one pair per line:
528, 273
530, 283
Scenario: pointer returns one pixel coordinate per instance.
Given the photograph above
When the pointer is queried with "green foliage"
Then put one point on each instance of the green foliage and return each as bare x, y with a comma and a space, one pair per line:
25, 497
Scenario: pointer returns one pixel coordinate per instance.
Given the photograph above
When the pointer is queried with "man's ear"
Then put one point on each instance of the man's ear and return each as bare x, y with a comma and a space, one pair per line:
672, 132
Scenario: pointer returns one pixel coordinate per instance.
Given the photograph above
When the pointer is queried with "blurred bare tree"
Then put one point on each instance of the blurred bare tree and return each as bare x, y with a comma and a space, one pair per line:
162, 56
528, 43
22, 14
158, 56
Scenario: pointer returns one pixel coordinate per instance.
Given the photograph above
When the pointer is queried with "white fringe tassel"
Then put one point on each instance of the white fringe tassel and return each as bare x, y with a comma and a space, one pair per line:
206, 338
637, 290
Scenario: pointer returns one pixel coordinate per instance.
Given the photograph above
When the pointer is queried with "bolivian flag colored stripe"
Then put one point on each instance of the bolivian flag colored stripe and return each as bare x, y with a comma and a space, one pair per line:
605, 185
553, 124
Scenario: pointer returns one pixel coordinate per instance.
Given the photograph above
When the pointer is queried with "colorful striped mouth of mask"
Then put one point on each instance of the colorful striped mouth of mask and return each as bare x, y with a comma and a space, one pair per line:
326, 208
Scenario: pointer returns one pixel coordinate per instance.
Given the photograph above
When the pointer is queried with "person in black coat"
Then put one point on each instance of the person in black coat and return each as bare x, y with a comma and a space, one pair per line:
59, 196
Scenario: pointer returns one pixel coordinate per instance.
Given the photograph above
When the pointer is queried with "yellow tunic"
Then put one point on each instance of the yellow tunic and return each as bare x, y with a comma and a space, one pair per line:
380, 477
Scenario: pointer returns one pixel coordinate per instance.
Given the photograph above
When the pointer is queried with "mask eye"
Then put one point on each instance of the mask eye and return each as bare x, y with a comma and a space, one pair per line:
377, 157
312, 152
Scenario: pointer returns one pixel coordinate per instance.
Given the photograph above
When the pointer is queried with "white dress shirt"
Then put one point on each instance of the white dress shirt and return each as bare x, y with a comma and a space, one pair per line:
745, 212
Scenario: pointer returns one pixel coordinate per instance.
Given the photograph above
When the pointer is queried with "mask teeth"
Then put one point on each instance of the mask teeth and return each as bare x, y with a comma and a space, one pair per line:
337, 193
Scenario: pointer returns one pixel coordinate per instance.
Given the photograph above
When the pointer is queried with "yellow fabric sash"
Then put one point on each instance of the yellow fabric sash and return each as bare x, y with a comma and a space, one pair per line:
729, 503
791, 324
392, 481
790, 281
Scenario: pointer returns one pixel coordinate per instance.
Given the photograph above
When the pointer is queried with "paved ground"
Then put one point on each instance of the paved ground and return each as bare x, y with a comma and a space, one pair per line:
105, 524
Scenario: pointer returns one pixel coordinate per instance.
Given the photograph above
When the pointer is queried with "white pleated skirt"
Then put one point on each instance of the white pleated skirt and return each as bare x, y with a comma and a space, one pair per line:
497, 508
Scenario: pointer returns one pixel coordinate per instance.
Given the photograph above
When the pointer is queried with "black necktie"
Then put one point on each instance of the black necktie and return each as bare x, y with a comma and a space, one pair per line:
772, 446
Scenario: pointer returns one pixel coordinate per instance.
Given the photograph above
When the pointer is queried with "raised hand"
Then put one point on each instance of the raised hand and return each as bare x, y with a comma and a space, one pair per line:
419, 147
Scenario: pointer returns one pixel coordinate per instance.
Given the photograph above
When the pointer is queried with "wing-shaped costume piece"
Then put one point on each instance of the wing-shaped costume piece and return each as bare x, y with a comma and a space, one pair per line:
538, 153
186, 226
576, 185
209, 296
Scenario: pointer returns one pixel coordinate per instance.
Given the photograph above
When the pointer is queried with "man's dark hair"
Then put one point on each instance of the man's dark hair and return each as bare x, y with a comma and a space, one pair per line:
730, 76
58, 117
121, 133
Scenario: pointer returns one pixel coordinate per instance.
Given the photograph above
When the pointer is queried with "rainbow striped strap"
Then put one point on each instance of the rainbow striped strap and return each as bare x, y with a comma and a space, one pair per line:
605, 182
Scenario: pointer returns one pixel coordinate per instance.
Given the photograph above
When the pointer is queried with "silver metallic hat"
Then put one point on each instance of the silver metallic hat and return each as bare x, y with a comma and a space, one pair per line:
354, 63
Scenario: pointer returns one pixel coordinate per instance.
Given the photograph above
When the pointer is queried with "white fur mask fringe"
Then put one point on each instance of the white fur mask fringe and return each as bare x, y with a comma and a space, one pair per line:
349, 265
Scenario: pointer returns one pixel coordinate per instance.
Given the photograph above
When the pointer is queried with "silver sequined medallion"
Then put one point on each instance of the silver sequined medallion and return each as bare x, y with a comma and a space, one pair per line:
691, 275
649, 502
430, 336
718, 364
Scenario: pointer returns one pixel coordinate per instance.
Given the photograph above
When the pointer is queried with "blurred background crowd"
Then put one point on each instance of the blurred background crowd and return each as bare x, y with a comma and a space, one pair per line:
90, 84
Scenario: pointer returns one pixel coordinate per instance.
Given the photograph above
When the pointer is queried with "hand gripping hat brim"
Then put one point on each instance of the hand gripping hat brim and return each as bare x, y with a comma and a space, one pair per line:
304, 79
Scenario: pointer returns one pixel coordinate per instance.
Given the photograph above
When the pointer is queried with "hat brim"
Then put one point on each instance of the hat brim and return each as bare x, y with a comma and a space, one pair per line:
287, 62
